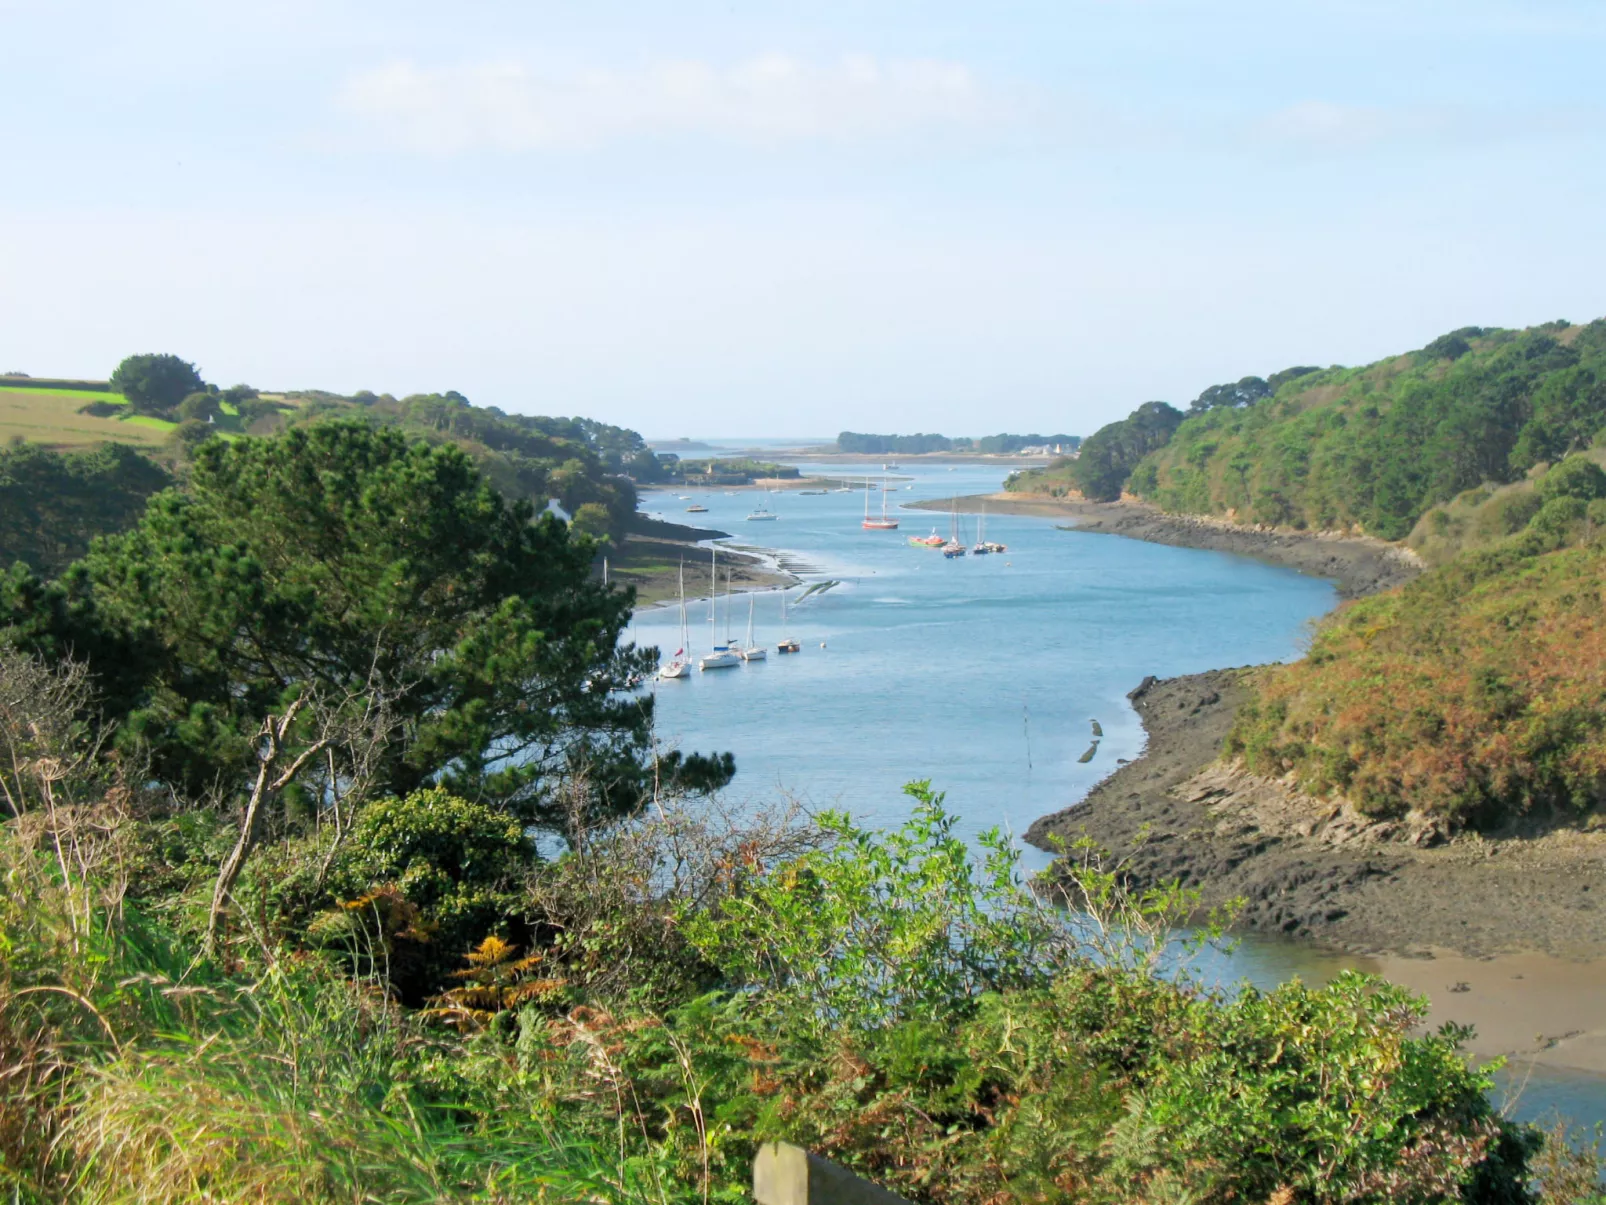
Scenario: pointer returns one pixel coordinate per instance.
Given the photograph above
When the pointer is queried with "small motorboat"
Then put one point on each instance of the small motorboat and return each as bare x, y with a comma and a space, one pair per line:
931, 541
696, 509
761, 514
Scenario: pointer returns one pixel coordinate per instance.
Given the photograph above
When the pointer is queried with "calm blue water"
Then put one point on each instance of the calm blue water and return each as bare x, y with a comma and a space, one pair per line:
980, 673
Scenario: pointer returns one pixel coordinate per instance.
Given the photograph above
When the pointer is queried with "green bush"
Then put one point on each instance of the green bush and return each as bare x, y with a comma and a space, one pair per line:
1559, 516
459, 864
1575, 477
1516, 509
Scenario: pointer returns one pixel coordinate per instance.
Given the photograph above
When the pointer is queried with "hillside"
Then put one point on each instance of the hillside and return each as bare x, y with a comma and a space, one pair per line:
587, 467
1494, 709
1369, 448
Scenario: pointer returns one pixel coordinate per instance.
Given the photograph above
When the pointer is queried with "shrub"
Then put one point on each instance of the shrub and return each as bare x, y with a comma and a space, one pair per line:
1575, 477
1559, 516
459, 864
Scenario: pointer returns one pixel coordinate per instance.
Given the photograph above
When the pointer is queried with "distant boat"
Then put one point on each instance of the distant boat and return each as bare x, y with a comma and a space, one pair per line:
883, 523
752, 650
679, 666
721, 656
953, 548
696, 509
805, 493
931, 541
981, 547
787, 644
761, 514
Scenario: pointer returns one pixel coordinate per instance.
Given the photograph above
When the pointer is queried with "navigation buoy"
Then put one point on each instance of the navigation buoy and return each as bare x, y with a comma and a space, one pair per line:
822, 644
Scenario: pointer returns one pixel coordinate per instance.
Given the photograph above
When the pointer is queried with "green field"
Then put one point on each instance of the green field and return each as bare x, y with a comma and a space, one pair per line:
50, 416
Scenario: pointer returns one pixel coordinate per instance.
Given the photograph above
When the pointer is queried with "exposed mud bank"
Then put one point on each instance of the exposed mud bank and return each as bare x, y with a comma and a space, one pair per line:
1310, 870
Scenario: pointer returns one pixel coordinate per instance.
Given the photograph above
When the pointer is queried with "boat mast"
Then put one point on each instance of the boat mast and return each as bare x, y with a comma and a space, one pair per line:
713, 592
685, 636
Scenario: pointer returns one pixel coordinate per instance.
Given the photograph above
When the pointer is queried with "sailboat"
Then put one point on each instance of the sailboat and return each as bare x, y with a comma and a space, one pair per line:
722, 656
953, 547
981, 547
761, 514
788, 643
679, 666
752, 650
883, 523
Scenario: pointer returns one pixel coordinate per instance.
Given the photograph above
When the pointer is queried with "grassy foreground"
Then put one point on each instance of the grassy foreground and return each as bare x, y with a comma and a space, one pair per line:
883, 998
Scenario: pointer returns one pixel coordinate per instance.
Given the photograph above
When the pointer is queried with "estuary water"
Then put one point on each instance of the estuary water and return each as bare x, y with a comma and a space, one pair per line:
981, 674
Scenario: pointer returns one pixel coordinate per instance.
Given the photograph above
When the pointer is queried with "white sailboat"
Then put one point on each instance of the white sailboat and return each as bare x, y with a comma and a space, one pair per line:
788, 643
721, 656
752, 650
679, 666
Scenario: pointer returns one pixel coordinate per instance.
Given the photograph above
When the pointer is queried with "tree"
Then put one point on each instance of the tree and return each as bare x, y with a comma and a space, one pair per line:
592, 519
1109, 455
1239, 393
155, 384
202, 404
52, 504
335, 556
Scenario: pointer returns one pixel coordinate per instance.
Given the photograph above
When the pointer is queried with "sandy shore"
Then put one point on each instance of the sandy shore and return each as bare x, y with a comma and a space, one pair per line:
1357, 565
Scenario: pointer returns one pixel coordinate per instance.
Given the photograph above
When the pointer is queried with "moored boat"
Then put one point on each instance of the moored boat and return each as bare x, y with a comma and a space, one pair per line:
787, 644
884, 523
720, 656
752, 650
679, 666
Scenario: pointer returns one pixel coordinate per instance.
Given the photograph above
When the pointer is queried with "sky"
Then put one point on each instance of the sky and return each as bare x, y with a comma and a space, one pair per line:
723, 220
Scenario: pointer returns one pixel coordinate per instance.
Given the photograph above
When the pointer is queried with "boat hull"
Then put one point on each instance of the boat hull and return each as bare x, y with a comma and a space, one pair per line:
880, 525
719, 659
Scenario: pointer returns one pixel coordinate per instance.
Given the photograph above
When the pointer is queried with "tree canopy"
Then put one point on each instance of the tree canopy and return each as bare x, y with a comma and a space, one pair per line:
1109, 455
156, 383
345, 559
52, 504
1377, 446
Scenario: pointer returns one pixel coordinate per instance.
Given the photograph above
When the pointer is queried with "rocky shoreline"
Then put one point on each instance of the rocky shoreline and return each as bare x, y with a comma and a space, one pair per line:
1356, 565
1309, 869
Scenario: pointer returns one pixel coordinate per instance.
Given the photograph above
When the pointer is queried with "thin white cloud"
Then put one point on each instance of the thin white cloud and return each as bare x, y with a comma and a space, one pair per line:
507, 106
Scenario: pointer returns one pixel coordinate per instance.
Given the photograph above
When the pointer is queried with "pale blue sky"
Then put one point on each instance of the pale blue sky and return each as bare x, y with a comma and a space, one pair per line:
743, 219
